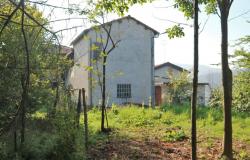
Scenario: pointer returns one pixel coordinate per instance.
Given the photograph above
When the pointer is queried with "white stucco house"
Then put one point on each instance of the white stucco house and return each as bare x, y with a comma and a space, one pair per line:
129, 67
162, 79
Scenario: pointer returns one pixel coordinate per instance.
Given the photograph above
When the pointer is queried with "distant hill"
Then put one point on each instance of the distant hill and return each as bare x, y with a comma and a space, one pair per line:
208, 74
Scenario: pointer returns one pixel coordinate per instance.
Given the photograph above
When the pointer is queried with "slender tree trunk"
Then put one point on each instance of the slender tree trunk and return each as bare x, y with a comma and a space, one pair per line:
227, 82
85, 114
24, 101
103, 93
53, 110
23, 113
15, 139
195, 80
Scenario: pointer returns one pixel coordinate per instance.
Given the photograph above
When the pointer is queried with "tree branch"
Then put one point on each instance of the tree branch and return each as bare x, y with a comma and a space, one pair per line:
9, 17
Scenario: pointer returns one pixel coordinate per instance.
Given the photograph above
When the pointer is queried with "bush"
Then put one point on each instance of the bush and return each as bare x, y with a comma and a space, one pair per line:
241, 95
39, 146
216, 99
3, 151
175, 134
68, 137
114, 109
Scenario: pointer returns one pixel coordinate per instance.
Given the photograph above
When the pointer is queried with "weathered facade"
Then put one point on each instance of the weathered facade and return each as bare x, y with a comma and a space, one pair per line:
129, 67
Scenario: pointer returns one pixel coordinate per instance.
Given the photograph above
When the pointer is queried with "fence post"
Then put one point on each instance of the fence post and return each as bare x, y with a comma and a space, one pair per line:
85, 110
78, 110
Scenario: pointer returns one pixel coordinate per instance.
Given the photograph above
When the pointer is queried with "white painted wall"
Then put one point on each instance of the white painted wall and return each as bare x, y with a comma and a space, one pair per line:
78, 75
203, 94
164, 72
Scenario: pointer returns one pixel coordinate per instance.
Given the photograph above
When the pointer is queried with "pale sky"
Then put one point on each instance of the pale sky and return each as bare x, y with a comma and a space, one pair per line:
178, 50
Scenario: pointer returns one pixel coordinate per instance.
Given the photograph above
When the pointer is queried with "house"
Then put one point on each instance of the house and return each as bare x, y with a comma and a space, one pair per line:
129, 67
162, 79
163, 74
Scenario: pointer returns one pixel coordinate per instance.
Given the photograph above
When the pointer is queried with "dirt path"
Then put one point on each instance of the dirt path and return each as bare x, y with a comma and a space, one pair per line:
157, 150
132, 149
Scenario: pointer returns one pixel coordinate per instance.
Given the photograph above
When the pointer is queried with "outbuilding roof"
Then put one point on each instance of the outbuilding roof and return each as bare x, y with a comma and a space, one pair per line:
168, 64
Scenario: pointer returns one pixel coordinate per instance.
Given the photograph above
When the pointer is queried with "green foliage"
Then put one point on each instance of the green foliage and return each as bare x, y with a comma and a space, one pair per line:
216, 98
114, 6
46, 140
175, 134
12, 59
60, 140
3, 151
241, 87
69, 142
114, 109
178, 88
211, 7
175, 31
242, 155
46, 64
241, 92
146, 123
39, 147
185, 6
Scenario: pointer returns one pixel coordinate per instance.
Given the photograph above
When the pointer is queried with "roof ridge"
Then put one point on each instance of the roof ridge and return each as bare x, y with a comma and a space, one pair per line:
114, 20
173, 65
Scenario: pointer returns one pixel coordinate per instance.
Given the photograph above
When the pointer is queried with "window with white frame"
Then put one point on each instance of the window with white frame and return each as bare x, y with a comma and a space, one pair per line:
123, 90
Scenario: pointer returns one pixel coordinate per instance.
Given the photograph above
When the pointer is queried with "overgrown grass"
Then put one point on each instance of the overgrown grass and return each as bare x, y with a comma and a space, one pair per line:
58, 138
139, 122
171, 124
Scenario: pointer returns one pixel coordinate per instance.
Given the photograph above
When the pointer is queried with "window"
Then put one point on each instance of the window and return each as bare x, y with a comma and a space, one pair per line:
123, 90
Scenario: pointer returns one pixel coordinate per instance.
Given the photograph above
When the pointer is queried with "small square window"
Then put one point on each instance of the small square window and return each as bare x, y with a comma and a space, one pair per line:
123, 90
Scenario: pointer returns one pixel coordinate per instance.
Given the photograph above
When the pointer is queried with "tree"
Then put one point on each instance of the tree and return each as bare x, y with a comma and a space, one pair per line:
18, 62
195, 80
179, 88
101, 49
224, 6
103, 55
28, 63
241, 89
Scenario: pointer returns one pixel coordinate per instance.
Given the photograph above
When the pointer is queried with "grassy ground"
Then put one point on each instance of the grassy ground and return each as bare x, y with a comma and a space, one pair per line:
137, 133
164, 133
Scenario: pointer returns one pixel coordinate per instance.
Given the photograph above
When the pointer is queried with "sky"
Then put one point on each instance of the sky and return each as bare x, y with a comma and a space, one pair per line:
157, 16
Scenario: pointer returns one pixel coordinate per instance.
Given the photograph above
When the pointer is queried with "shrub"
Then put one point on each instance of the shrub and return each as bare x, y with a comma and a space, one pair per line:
67, 134
114, 109
175, 134
3, 151
216, 99
39, 146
